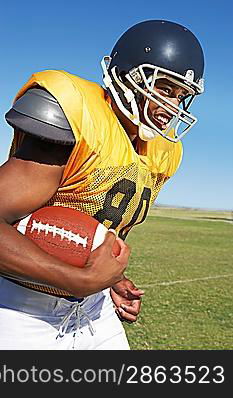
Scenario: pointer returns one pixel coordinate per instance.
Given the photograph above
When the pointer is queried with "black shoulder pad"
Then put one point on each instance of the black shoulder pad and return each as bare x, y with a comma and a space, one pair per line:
38, 113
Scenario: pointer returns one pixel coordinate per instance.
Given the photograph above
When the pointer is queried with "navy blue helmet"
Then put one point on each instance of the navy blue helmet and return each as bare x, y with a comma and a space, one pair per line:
146, 52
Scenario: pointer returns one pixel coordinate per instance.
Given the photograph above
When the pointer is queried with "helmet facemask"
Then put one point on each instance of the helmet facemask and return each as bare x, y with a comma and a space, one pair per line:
139, 83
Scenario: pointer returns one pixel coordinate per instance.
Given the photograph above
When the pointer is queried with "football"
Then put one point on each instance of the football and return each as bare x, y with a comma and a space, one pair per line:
65, 233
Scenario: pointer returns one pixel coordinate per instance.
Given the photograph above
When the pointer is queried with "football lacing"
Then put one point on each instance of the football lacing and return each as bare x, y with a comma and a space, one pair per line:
63, 233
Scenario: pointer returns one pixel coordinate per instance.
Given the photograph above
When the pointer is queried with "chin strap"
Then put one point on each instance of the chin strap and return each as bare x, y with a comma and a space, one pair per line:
145, 133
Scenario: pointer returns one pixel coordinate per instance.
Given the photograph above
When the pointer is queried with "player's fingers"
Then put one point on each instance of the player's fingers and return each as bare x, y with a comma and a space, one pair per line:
136, 292
109, 240
124, 253
126, 316
131, 309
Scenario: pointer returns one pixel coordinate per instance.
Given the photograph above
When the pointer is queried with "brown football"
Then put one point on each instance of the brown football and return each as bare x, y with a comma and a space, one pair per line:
65, 233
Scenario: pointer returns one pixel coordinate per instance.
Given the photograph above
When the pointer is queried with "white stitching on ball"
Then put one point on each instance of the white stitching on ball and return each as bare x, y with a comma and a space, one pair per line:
39, 226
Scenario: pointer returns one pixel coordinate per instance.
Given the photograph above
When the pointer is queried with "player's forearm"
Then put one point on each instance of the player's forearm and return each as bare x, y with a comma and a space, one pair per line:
22, 258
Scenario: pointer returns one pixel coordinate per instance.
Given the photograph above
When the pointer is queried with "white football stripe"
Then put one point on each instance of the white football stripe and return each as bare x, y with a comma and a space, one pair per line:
99, 236
23, 224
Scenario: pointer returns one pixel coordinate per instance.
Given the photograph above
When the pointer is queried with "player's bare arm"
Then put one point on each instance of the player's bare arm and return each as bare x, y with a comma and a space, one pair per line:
34, 184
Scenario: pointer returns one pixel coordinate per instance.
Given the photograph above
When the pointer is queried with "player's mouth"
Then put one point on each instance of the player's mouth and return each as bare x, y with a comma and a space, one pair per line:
161, 120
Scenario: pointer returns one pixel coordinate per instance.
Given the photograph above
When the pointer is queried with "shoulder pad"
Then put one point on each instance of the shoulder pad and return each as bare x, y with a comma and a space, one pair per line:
38, 113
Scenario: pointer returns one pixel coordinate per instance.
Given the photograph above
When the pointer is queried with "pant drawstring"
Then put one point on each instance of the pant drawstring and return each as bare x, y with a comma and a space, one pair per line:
90, 323
78, 310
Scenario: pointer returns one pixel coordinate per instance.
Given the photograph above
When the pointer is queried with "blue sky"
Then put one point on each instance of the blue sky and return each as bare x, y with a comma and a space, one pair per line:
72, 36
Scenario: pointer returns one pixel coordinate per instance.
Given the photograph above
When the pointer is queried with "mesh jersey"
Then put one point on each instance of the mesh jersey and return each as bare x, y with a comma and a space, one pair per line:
104, 176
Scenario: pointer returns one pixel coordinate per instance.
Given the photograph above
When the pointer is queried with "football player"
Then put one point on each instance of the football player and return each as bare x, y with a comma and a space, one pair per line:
106, 151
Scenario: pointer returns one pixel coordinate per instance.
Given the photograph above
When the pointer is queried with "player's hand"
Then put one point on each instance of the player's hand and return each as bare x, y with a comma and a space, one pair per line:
127, 300
103, 267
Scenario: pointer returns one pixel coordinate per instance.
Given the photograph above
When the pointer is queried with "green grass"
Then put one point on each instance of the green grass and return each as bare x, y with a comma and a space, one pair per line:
185, 266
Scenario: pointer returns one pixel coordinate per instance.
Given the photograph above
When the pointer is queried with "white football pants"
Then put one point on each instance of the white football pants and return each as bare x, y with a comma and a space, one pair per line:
30, 320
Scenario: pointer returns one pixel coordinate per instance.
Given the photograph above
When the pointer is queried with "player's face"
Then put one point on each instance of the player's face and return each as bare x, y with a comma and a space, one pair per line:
174, 93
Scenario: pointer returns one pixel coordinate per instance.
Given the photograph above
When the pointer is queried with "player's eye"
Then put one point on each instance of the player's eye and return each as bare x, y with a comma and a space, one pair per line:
164, 90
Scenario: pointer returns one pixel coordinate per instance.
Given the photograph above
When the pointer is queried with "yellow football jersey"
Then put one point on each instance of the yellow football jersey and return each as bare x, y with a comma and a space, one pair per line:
104, 176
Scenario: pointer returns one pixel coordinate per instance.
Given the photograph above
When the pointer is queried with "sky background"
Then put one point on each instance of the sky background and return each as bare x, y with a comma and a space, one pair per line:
74, 36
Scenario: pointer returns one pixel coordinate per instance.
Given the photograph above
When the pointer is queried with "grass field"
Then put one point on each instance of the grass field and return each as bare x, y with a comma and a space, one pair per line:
183, 259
